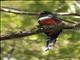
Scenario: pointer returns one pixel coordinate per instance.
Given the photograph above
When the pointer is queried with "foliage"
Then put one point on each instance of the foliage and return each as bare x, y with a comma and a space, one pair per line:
30, 48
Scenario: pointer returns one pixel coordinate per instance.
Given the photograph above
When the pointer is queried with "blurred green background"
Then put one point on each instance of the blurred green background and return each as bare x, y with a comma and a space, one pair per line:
67, 46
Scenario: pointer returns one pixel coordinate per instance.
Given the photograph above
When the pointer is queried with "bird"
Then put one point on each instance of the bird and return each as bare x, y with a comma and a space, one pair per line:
48, 18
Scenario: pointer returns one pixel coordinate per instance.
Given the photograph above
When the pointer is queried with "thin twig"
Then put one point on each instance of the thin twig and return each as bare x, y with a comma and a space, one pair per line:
68, 14
17, 11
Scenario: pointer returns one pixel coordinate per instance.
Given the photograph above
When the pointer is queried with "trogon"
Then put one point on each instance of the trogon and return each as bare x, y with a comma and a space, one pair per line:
47, 18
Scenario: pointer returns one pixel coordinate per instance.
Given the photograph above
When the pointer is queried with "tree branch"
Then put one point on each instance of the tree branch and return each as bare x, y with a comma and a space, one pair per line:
41, 29
17, 11
67, 14
22, 34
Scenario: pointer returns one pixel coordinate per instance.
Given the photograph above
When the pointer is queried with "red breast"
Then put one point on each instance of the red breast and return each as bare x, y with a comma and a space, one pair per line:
48, 21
